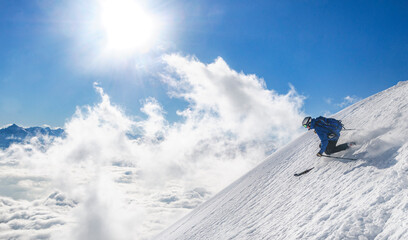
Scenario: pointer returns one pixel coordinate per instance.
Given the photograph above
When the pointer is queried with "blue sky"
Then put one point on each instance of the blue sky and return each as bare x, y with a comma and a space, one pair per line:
327, 50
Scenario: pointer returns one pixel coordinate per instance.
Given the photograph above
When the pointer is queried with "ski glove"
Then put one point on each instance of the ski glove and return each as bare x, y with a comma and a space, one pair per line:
319, 154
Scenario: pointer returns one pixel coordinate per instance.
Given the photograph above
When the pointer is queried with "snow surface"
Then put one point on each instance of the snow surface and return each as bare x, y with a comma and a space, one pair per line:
338, 199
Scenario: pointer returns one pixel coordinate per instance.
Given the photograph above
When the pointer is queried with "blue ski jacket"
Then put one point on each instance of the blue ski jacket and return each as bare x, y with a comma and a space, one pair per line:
325, 134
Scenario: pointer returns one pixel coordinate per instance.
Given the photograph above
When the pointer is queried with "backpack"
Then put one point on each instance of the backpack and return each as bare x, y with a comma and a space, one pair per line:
332, 124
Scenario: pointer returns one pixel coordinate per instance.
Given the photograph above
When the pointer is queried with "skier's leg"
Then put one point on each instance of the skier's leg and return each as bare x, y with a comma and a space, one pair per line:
341, 147
331, 147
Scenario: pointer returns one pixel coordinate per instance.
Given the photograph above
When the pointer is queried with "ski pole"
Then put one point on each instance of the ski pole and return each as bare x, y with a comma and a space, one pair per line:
339, 157
304, 172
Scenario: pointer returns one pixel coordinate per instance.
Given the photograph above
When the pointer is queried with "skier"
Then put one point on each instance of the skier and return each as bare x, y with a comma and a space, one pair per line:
328, 130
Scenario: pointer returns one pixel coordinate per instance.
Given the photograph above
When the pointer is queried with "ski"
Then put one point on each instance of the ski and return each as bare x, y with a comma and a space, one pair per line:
344, 158
304, 172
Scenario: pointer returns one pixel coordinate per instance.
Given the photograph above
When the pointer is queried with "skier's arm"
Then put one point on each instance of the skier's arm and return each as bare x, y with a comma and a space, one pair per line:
324, 146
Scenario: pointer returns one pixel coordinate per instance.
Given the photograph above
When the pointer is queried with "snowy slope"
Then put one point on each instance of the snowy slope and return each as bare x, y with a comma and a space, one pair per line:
364, 199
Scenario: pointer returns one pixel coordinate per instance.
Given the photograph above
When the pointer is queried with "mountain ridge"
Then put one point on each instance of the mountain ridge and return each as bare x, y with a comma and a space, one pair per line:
16, 134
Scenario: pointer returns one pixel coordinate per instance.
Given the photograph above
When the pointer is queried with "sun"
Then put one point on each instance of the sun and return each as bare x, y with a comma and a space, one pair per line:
126, 26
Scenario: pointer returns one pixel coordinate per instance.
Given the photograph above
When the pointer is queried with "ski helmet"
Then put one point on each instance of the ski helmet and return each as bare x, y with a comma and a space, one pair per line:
306, 122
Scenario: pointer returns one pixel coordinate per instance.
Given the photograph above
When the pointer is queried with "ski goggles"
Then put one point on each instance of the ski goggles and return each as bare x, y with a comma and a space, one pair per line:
306, 122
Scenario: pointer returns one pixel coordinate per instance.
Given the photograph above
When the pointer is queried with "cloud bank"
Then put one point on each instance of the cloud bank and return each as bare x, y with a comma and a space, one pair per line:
124, 178
348, 100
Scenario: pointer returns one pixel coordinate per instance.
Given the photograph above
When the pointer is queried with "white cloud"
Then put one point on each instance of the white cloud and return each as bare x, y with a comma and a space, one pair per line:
348, 100
34, 219
240, 103
329, 101
124, 188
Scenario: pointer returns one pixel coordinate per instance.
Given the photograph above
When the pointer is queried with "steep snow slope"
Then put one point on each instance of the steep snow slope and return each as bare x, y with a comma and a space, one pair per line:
364, 199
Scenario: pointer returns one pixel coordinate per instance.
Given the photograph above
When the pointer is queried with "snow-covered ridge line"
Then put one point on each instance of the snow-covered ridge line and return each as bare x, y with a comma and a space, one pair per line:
363, 199
16, 134
43, 126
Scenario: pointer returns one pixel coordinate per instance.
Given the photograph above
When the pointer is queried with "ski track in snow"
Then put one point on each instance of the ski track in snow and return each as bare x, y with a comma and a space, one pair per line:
338, 199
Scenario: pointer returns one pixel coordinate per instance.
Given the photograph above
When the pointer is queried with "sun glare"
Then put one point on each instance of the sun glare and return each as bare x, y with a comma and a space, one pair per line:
126, 26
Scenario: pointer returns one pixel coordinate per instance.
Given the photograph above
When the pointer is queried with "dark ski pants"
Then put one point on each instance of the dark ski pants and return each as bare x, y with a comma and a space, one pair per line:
332, 148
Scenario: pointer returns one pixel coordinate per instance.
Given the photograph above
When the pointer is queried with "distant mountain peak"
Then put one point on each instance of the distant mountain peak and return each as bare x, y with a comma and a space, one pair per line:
16, 134
14, 126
